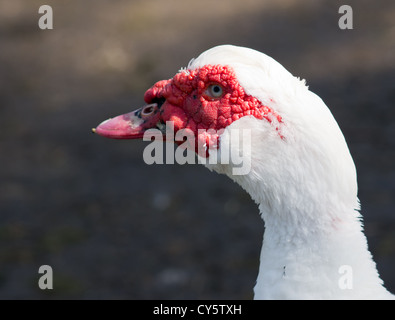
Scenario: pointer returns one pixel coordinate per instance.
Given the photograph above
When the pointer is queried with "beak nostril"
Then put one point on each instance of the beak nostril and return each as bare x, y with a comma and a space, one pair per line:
149, 110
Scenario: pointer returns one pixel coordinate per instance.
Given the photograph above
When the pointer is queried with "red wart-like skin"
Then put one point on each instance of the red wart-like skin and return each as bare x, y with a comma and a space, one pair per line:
186, 100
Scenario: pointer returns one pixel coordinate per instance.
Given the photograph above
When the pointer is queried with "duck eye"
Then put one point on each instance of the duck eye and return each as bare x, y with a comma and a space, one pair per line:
215, 91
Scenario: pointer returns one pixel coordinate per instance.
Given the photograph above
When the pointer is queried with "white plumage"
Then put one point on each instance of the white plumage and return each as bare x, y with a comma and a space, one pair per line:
305, 186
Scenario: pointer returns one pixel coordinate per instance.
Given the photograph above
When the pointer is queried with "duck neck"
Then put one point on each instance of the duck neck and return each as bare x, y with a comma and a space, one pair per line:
310, 258
308, 201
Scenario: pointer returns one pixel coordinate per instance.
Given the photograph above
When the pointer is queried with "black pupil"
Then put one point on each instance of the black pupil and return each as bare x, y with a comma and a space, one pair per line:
216, 89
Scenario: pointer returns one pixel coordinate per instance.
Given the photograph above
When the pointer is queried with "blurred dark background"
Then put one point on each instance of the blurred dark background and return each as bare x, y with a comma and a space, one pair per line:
113, 227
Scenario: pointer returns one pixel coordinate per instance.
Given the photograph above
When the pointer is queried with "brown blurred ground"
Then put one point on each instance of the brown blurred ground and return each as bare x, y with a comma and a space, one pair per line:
110, 225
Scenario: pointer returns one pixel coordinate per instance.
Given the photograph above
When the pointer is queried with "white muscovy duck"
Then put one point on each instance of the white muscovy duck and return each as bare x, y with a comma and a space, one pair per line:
301, 174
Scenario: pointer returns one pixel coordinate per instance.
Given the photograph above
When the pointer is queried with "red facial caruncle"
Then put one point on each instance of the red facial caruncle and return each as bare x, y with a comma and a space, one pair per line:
206, 98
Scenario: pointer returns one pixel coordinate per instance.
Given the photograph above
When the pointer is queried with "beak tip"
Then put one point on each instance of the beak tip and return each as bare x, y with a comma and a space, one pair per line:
93, 130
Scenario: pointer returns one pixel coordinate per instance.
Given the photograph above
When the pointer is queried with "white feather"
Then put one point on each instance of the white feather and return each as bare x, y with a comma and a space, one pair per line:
305, 184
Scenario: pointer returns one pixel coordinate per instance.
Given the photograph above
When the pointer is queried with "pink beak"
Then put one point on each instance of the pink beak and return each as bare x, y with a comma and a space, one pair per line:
131, 125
